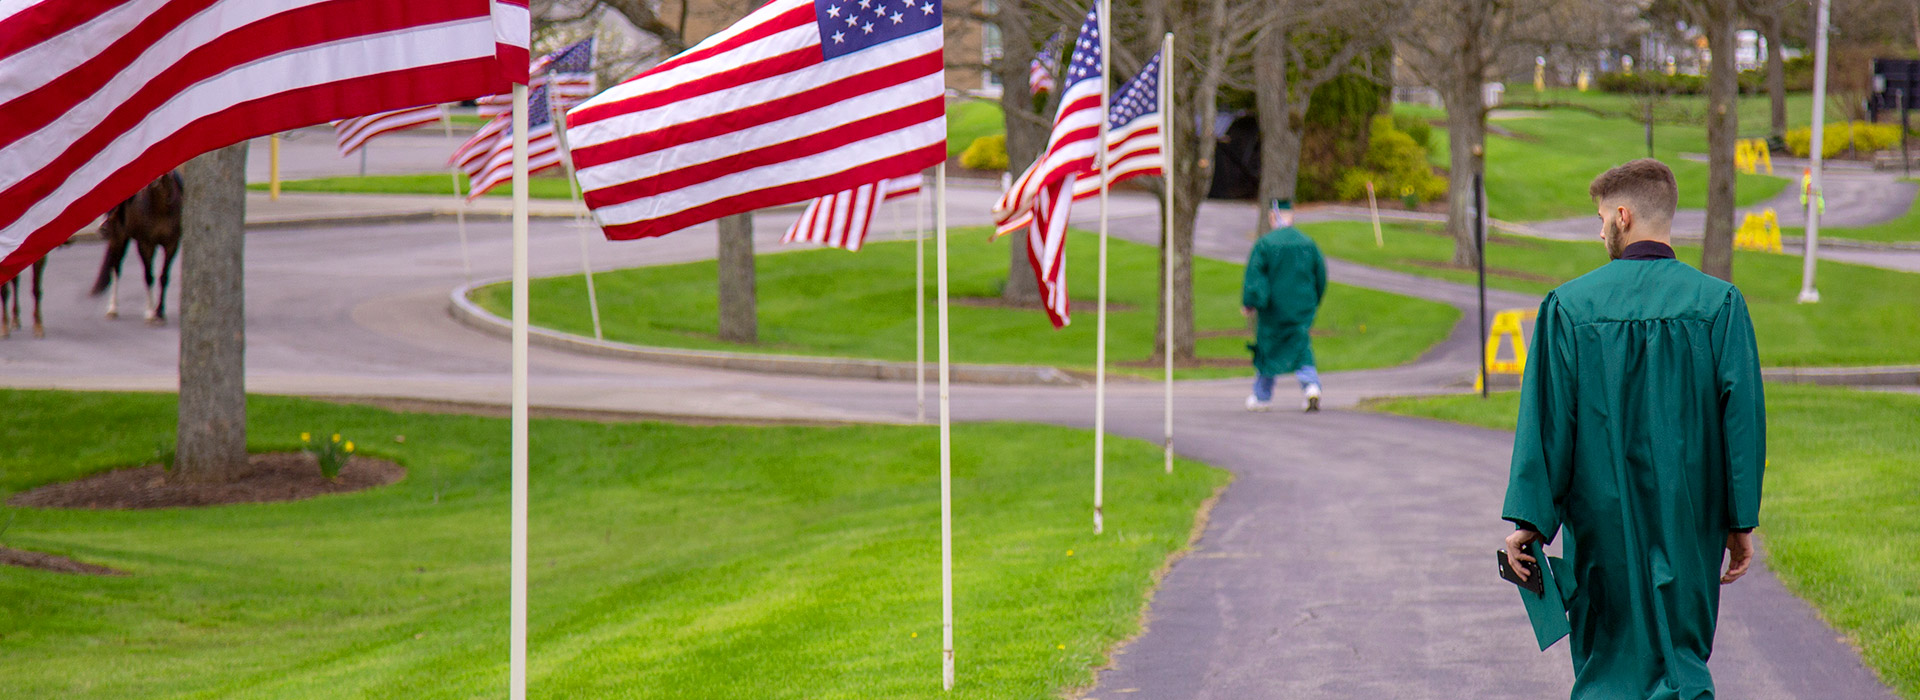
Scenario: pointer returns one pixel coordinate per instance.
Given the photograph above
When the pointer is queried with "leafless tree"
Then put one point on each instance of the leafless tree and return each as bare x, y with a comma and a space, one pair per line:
1717, 19
211, 444
1454, 46
1300, 46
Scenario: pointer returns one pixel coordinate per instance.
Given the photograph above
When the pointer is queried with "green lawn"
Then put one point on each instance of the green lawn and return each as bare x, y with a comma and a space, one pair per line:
1905, 229
1841, 513
1756, 111
870, 298
438, 184
1866, 315
1544, 174
971, 119
667, 561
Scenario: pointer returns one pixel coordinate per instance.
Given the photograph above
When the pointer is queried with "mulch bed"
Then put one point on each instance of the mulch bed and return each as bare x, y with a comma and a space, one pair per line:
278, 476
54, 563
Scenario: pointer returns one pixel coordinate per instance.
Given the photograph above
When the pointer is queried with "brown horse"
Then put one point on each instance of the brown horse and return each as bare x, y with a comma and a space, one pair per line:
9, 322
150, 219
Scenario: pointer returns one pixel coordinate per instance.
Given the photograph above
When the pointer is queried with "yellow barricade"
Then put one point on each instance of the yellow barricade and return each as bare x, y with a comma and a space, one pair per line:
1507, 326
1749, 155
1760, 231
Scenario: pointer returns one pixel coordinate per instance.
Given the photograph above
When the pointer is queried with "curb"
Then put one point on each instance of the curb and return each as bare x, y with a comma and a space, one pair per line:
471, 315
1907, 375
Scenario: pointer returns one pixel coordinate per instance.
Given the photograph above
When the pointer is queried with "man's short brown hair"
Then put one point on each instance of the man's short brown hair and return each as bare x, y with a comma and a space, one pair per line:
1646, 184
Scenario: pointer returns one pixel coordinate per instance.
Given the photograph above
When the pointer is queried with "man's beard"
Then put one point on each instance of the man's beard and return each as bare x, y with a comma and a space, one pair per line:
1616, 247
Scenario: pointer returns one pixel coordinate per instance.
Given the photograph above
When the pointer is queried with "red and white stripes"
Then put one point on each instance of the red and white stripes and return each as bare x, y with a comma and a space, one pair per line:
99, 97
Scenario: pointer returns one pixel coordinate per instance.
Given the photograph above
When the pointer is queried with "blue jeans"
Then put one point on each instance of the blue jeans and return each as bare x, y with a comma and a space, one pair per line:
1263, 384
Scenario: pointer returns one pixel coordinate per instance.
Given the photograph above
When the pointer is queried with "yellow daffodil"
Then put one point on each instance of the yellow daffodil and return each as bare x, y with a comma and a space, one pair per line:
306, 437
336, 437
349, 445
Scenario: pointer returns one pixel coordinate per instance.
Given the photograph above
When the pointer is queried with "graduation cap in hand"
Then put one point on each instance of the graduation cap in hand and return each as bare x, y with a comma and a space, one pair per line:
1544, 594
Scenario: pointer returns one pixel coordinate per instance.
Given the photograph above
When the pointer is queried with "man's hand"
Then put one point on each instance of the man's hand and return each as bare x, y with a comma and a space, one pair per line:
1247, 311
1739, 556
1517, 550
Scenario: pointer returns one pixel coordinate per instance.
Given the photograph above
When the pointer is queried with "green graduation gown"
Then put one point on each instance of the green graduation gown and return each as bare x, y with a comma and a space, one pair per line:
1286, 277
1642, 433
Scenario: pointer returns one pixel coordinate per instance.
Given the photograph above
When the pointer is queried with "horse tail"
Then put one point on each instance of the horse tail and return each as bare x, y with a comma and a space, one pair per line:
116, 250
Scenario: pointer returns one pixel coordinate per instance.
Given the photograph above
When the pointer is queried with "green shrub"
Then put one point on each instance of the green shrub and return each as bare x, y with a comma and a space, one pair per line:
986, 153
1396, 164
1859, 137
1418, 128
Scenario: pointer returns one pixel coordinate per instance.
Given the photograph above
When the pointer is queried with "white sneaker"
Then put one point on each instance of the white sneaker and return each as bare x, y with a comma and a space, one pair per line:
1257, 406
1312, 402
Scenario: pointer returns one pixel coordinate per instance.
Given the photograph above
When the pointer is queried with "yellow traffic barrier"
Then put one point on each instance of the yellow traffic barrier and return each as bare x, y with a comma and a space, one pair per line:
1760, 231
1750, 155
1506, 326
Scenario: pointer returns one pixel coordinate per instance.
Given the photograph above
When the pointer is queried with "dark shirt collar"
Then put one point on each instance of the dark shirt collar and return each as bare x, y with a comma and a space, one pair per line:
1647, 250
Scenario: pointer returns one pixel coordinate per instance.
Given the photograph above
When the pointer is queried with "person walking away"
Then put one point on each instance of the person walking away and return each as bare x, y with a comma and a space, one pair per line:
1286, 279
1642, 437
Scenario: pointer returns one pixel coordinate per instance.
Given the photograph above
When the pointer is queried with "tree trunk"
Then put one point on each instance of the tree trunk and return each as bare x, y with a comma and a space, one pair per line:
1776, 71
211, 446
1722, 128
738, 321
1279, 124
1466, 144
1025, 137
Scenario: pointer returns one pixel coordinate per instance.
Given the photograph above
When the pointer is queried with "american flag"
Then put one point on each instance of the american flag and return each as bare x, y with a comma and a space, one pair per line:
800, 99
1133, 135
841, 219
487, 158
568, 74
351, 134
1040, 199
1040, 71
99, 98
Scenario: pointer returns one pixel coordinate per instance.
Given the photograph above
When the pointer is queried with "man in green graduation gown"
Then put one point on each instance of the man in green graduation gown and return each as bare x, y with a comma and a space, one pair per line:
1642, 435
1286, 277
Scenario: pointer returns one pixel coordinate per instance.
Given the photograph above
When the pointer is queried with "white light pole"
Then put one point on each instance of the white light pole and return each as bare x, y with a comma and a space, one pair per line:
1809, 295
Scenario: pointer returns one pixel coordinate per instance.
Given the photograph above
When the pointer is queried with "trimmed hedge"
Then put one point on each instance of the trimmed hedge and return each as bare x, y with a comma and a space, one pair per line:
1652, 81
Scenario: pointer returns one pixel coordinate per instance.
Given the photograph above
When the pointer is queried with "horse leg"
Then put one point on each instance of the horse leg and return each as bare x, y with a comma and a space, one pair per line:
6, 322
146, 269
160, 305
39, 330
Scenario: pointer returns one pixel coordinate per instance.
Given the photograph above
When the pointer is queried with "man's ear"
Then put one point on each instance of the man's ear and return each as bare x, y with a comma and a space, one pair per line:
1625, 221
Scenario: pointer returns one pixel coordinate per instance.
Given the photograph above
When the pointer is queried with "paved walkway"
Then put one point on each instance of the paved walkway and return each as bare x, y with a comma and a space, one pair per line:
1348, 560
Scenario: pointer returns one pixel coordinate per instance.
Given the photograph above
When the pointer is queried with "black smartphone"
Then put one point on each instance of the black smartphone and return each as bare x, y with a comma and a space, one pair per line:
1534, 582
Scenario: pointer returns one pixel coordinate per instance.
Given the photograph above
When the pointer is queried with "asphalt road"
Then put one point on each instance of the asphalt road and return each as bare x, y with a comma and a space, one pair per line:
1349, 559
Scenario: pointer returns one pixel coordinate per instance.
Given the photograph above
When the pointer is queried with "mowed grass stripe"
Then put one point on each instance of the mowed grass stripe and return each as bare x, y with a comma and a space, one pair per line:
667, 561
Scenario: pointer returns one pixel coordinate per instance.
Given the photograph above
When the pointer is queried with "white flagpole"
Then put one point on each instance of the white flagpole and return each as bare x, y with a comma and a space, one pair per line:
1166, 153
517, 626
460, 201
1100, 345
920, 304
946, 434
573, 185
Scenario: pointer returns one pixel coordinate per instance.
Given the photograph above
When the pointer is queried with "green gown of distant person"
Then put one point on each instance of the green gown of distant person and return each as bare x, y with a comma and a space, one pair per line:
1642, 433
1286, 278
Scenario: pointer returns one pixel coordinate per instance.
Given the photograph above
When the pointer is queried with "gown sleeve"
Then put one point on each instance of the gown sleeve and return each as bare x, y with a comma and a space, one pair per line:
1743, 410
1543, 436
1319, 276
1253, 290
